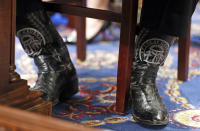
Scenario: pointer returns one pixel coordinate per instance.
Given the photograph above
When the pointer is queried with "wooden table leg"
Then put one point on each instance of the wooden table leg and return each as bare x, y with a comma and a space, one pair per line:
126, 51
183, 57
81, 35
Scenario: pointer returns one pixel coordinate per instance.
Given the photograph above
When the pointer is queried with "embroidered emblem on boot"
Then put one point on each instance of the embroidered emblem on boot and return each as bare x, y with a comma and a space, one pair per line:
32, 41
154, 51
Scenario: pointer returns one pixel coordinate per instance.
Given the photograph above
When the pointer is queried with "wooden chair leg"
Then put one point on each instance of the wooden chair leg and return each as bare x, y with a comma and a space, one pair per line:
81, 35
81, 38
127, 42
183, 57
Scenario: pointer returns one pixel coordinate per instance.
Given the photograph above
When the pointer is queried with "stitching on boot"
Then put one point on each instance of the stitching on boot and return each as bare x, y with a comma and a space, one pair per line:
35, 20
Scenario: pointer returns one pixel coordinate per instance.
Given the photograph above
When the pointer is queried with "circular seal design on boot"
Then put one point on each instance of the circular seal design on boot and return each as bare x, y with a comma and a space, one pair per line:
189, 118
154, 51
32, 41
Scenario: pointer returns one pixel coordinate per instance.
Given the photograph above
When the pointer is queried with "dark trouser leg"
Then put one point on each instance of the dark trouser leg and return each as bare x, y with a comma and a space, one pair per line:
57, 76
168, 16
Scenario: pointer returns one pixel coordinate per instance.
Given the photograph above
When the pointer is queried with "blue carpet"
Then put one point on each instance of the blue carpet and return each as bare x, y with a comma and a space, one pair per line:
94, 105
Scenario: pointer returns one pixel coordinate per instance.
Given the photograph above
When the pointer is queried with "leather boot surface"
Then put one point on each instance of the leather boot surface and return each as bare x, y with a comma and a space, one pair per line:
151, 52
57, 78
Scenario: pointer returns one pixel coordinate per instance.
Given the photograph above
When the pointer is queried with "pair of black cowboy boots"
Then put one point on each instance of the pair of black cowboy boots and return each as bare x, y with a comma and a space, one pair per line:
57, 78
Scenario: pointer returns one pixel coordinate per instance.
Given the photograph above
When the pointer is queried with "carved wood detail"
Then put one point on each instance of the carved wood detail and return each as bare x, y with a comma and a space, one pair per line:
15, 92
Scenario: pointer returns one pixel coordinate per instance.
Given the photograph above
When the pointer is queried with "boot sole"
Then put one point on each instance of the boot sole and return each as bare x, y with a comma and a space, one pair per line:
149, 122
57, 100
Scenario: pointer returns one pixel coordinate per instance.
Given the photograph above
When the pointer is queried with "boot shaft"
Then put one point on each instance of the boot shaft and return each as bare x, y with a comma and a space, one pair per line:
39, 38
151, 51
37, 34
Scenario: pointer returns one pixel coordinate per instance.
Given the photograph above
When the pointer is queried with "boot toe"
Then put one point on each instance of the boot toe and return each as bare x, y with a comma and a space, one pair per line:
152, 117
161, 118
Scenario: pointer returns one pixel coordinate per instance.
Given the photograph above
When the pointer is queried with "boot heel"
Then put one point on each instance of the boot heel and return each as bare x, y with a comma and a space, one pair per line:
68, 90
63, 97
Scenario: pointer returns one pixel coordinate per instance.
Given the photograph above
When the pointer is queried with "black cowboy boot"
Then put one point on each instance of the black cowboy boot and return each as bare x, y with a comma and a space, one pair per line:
151, 52
57, 78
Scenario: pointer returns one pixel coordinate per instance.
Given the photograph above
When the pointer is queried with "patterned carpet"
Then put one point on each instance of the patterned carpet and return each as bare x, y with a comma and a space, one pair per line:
94, 105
